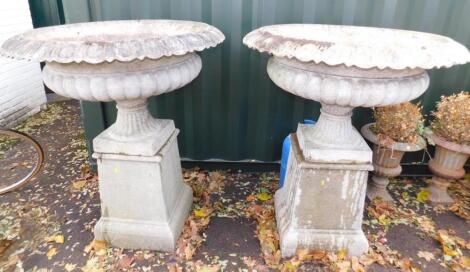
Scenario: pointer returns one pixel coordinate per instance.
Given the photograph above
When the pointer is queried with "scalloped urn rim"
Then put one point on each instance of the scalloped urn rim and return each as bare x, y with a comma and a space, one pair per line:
107, 41
400, 146
439, 140
362, 47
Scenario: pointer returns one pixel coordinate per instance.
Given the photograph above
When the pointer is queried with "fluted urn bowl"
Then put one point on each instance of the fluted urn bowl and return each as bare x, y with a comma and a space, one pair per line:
343, 67
122, 61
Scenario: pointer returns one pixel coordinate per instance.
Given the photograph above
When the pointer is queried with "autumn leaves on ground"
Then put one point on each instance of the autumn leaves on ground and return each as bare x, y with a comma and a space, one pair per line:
47, 226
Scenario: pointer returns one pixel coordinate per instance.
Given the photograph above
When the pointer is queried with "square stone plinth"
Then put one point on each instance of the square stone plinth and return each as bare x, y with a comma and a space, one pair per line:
144, 201
145, 145
320, 205
311, 152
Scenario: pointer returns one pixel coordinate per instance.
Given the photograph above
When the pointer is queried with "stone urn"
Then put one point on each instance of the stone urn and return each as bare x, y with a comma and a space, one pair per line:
321, 203
447, 164
144, 202
386, 162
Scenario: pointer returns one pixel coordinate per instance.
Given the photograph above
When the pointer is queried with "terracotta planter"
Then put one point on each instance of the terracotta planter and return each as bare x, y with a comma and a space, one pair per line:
386, 161
447, 164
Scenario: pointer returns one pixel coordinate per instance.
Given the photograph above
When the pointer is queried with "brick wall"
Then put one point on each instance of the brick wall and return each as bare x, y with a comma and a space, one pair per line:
21, 89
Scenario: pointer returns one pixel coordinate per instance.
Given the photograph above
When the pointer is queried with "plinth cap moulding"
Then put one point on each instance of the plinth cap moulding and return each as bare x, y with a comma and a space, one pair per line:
98, 42
362, 47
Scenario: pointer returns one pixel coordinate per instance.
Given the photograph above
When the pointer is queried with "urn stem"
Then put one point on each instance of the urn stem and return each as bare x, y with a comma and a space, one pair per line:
334, 128
133, 119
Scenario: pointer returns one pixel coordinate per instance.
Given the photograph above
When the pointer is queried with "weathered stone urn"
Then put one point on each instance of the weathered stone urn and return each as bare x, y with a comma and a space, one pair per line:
447, 164
144, 201
321, 203
386, 162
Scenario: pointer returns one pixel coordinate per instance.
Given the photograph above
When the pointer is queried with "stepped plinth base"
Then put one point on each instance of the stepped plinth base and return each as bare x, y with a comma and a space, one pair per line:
321, 205
144, 202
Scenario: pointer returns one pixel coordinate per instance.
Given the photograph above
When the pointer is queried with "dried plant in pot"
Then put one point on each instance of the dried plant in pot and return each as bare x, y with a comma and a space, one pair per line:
396, 131
450, 132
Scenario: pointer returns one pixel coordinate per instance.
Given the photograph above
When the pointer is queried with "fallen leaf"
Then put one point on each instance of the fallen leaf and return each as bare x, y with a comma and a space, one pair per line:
290, 266
70, 267
428, 256
201, 212
465, 262
125, 262
51, 252
251, 198
96, 245
367, 260
264, 196
318, 255
356, 266
4, 245
422, 196
174, 268
342, 254
405, 196
448, 245
78, 185
92, 265
59, 239
343, 266
101, 252
99, 244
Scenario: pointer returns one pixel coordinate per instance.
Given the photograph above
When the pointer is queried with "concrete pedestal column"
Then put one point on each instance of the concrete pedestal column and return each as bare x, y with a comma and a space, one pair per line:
321, 205
144, 201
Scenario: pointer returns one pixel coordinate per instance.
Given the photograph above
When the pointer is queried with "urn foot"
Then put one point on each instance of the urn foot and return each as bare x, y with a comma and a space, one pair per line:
146, 234
144, 201
377, 188
354, 242
438, 191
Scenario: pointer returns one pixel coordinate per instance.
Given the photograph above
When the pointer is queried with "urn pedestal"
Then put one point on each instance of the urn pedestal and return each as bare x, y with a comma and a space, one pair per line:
144, 202
148, 210
321, 203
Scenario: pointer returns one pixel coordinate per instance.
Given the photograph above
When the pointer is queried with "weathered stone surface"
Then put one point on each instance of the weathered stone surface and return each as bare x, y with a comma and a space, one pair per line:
321, 205
108, 41
358, 46
341, 68
144, 201
339, 89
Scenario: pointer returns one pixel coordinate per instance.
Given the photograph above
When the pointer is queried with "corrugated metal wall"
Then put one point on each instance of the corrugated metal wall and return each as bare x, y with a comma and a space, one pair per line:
46, 12
232, 111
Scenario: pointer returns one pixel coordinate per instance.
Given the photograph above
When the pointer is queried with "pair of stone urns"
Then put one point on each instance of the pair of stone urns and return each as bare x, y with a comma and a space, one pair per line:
144, 201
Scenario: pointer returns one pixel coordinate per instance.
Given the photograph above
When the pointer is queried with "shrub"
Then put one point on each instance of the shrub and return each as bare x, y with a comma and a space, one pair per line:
398, 123
452, 118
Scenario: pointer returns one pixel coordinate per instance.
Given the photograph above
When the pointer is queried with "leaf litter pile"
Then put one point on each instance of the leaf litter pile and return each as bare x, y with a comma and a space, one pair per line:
48, 225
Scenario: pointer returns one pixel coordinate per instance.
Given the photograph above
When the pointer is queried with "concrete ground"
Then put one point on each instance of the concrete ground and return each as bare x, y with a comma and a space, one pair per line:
47, 225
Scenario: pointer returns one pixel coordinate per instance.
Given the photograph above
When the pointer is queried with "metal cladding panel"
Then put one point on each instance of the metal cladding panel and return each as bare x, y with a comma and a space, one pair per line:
46, 12
233, 111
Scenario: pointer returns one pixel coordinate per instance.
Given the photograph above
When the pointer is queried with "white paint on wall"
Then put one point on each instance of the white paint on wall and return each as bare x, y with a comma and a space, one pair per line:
21, 90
